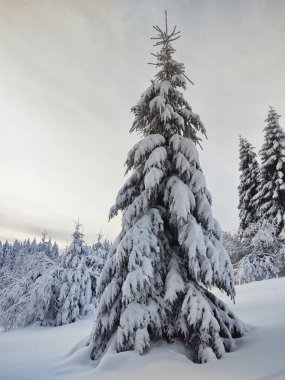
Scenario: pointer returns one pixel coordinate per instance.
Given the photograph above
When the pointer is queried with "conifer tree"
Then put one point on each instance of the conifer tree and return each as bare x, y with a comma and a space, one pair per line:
54, 253
156, 281
270, 198
26, 247
75, 292
248, 185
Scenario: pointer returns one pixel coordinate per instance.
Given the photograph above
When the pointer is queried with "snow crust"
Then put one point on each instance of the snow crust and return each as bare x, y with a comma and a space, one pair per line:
49, 353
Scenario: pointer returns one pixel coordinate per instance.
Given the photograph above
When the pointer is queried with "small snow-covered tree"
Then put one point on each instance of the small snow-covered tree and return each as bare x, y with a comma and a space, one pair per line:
249, 170
169, 253
270, 198
75, 294
34, 247
54, 253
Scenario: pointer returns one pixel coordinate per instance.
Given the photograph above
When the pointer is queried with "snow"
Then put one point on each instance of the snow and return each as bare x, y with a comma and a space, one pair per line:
49, 353
153, 178
144, 147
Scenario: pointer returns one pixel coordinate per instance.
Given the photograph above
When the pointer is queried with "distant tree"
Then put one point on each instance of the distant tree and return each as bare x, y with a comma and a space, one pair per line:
6, 254
270, 198
54, 253
34, 247
26, 246
15, 250
249, 171
168, 254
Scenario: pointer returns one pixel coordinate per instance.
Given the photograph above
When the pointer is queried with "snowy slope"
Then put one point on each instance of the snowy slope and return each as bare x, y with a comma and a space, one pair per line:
44, 353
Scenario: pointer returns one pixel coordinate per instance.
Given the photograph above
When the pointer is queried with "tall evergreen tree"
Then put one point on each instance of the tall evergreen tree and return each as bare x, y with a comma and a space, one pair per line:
270, 199
156, 279
249, 170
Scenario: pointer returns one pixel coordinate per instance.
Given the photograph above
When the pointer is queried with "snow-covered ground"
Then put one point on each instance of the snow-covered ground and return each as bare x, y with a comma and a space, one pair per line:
43, 353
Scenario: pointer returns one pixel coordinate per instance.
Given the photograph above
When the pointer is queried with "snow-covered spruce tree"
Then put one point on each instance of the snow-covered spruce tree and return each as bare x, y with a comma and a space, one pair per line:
54, 253
249, 170
75, 292
156, 279
270, 198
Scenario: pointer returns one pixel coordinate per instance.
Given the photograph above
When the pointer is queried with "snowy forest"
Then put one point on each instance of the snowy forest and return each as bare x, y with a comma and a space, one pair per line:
169, 278
39, 284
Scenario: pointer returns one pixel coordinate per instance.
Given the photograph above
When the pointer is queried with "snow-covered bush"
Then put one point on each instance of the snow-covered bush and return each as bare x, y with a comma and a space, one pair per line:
265, 258
233, 245
26, 272
169, 252
29, 295
255, 267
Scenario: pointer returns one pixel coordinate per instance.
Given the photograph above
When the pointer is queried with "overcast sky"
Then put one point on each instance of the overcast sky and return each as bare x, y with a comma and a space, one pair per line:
70, 72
